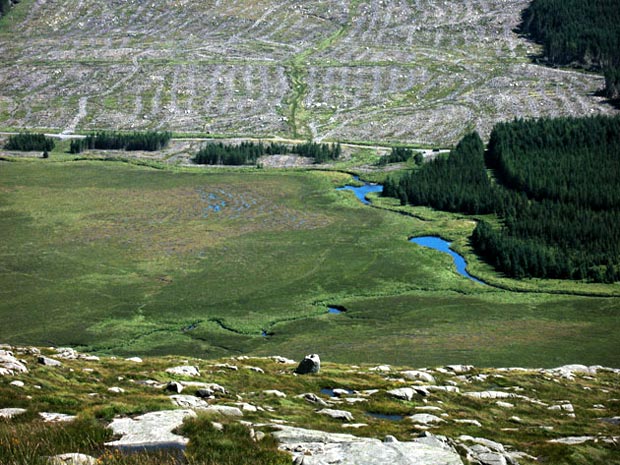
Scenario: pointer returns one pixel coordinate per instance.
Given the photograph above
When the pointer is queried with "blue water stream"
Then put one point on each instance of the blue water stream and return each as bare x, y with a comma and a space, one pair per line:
431, 242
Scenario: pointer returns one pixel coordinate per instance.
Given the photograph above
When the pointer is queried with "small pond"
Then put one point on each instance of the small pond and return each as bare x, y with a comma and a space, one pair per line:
330, 392
383, 416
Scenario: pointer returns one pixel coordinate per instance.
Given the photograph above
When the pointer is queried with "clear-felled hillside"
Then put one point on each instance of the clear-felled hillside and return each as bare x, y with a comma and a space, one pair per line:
422, 71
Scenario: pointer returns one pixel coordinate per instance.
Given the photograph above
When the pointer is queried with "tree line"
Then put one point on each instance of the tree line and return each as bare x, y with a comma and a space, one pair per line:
29, 142
582, 32
150, 141
248, 152
399, 155
557, 195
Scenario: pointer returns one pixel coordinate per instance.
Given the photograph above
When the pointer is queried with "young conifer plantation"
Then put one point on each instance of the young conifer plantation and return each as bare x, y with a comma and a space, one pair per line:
557, 194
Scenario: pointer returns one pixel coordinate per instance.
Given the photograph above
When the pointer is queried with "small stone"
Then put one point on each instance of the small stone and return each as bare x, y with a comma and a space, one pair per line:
227, 366
116, 390
459, 369
256, 369
17, 383
275, 392
134, 359
499, 403
313, 399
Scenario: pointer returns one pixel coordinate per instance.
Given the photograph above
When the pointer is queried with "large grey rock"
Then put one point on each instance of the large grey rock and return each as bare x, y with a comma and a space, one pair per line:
402, 393
152, 429
310, 447
184, 370
458, 369
572, 440
50, 362
313, 399
11, 412
569, 371
337, 414
72, 459
9, 365
310, 364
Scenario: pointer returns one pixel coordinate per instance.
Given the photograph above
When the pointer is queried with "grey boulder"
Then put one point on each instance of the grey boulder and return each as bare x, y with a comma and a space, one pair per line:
310, 364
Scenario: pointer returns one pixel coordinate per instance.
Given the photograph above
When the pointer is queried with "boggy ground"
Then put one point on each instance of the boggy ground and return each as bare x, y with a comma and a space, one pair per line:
424, 71
122, 259
522, 416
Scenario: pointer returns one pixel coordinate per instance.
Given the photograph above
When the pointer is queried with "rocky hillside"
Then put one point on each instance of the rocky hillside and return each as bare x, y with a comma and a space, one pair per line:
59, 406
424, 71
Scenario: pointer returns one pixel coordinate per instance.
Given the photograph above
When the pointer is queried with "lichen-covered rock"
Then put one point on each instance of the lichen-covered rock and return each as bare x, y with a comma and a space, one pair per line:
425, 418
415, 375
402, 393
188, 401
337, 414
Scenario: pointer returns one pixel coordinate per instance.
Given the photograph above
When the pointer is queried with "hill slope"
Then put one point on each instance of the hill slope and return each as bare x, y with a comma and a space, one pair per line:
422, 72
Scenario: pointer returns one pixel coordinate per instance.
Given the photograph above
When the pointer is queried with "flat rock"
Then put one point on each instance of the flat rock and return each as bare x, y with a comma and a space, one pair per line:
11, 412
17, 383
51, 417
337, 414
425, 418
310, 447
72, 459
469, 422
381, 368
313, 399
116, 390
152, 429
225, 410
489, 395
184, 401
572, 440
134, 359
275, 393
184, 370
283, 360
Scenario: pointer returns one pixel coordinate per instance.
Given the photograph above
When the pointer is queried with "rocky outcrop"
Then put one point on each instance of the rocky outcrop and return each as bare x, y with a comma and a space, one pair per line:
72, 459
9, 365
310, 364
310, 447
150, 430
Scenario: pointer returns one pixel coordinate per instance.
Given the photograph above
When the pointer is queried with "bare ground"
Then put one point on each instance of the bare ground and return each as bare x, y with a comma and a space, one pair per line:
423, 71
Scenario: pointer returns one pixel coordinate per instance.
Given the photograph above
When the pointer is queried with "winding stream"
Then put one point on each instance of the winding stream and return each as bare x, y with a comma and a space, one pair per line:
431, 242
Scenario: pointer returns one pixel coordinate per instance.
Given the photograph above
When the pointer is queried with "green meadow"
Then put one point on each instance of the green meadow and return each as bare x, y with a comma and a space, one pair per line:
115, 258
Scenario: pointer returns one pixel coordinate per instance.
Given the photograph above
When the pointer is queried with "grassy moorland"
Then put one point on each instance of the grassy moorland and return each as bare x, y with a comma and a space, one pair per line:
117, 258
82, 387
